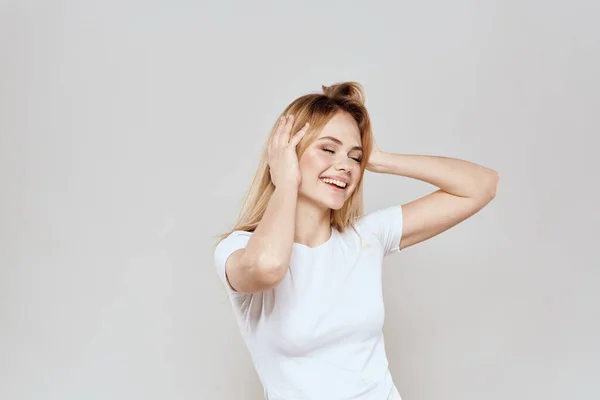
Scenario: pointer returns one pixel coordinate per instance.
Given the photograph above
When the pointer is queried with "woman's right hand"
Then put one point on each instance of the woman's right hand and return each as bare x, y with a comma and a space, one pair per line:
282, 158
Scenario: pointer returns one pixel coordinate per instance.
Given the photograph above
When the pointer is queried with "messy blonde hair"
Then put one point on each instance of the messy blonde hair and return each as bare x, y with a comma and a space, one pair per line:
316, 109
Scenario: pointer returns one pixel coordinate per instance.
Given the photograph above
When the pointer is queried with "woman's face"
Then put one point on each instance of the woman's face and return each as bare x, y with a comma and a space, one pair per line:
330, 166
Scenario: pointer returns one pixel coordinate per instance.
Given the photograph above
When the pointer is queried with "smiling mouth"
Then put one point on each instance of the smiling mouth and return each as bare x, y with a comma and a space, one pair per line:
335, 184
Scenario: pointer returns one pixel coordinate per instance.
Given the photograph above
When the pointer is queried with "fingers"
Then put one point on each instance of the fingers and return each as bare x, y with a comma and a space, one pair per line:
285, 134
299, 135
282, 133
275, 139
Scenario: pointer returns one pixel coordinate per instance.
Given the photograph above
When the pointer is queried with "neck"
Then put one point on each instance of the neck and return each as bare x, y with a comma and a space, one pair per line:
313, 225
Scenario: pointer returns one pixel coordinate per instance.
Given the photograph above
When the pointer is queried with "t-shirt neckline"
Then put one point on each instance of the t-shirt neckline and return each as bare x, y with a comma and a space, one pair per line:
318, 247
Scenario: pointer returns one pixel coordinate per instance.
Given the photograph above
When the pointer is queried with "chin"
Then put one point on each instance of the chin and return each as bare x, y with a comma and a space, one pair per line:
331, 203
336, 206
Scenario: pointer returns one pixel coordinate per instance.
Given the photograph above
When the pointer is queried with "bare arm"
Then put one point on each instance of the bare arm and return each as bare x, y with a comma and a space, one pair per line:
464, 189
263, 263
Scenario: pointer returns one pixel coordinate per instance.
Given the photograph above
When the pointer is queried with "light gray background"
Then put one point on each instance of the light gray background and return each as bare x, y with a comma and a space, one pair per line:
130, 130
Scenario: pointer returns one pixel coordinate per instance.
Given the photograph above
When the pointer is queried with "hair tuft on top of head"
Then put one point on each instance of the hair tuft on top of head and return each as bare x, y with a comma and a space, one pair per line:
345, 90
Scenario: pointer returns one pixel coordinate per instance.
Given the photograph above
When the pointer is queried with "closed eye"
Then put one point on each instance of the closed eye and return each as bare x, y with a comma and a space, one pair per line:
357, 159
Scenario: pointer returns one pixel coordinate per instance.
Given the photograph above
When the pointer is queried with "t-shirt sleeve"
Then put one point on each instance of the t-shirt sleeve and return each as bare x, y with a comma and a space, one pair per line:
235, 241
386, 225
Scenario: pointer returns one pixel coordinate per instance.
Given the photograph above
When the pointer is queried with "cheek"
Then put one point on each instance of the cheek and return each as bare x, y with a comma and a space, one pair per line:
312, 164
356, 175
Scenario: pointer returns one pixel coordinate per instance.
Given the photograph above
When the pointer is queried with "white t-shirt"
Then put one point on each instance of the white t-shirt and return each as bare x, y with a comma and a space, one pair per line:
318, 334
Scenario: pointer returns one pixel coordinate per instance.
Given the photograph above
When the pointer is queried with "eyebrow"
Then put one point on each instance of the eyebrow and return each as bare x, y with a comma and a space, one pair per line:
338, 141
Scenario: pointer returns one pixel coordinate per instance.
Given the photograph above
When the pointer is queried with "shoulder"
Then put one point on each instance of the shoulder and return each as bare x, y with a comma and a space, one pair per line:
385, 224
235, 235
232, 242
236, 240
382, 216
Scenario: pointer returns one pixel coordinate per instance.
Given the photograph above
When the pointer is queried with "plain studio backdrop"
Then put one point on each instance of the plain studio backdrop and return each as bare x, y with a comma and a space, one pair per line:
130, 131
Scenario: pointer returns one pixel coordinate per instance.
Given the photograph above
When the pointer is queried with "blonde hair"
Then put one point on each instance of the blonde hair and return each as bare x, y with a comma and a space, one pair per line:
317, 109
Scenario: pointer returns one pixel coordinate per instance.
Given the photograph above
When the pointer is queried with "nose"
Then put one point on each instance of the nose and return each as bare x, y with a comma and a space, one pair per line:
343, 166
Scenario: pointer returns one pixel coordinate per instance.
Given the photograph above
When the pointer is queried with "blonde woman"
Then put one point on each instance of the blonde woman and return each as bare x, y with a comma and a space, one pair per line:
302, 265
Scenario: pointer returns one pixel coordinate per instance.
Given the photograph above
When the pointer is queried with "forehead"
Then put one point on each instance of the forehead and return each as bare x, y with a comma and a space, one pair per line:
344, 128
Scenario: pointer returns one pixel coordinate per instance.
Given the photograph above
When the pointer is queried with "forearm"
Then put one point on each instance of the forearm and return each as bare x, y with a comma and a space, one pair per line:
270, 246
458, 177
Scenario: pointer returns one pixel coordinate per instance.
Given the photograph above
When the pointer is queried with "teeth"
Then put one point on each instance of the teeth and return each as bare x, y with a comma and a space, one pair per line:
335, 182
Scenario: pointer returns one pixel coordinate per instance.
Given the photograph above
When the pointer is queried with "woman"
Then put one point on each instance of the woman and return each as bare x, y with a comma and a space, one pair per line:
302, 266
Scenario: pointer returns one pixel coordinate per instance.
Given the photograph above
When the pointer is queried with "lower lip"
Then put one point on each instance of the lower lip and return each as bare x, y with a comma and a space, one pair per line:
334, 188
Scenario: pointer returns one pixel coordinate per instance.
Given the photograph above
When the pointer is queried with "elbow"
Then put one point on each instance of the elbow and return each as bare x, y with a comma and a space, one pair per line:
493, 184
489, 187
267, 270
271, 276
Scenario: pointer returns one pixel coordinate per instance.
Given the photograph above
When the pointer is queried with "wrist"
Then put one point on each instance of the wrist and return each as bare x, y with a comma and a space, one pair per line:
287, 187
376, 162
